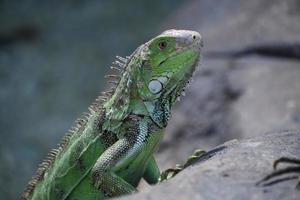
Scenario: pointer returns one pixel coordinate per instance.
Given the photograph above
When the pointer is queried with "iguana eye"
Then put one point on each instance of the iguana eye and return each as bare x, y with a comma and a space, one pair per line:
162, 45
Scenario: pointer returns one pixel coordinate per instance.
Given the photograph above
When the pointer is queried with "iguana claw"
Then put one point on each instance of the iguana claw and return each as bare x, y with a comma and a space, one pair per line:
171, 172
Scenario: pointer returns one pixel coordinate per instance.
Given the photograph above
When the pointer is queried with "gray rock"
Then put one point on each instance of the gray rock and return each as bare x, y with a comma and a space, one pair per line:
232, 173
271, 95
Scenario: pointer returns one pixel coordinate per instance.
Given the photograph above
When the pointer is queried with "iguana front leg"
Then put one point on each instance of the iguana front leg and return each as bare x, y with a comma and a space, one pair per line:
120, 153
152, 172
171, 172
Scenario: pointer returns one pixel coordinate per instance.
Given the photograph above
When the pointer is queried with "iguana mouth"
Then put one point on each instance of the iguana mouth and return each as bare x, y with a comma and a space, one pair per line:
163, 61
195, 45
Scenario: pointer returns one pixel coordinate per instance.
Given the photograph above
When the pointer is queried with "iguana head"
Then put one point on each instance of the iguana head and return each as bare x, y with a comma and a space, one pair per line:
169, 61
155, 74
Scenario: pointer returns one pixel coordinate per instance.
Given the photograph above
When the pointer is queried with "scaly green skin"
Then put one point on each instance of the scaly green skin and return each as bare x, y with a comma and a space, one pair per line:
111, 149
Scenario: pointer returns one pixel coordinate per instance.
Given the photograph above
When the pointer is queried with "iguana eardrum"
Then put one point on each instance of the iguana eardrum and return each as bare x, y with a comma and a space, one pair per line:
111, 148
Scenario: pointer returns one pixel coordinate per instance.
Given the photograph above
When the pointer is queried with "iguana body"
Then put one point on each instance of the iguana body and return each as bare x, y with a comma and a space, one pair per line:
111, 148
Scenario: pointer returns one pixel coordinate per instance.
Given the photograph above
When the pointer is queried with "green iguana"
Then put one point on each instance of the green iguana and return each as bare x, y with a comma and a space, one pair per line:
111, 148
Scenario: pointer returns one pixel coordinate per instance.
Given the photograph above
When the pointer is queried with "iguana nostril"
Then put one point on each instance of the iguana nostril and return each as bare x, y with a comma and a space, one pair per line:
194, 37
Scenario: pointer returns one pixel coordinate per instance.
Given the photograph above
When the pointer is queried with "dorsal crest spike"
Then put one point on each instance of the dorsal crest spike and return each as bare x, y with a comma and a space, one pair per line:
118, 63
113, 77
124, 60
101, 98
116, 68
104, 93
112, 82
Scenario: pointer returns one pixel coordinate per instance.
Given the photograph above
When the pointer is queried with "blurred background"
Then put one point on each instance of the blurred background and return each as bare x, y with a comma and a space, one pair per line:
54, 55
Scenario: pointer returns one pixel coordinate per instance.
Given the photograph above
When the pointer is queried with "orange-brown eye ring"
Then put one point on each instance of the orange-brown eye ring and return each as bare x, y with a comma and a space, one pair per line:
162, 45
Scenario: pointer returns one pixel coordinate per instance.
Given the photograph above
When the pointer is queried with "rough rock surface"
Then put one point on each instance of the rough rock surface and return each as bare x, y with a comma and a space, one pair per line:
232, 172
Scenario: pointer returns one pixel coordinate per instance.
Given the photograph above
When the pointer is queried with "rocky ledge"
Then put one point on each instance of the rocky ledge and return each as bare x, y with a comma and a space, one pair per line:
232, 170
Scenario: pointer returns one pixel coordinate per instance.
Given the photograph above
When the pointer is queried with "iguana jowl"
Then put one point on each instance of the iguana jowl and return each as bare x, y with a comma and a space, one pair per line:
111, 148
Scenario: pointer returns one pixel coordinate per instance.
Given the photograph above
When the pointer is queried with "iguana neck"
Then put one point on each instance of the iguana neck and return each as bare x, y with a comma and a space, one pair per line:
126, 100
